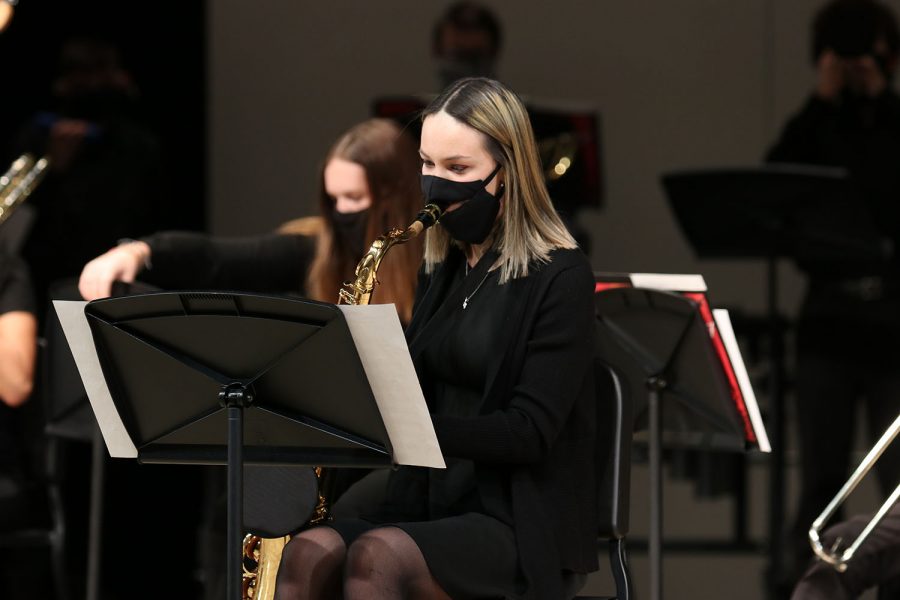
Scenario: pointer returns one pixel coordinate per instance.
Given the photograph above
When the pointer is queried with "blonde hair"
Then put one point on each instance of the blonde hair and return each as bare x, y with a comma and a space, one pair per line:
529, 227
391, 163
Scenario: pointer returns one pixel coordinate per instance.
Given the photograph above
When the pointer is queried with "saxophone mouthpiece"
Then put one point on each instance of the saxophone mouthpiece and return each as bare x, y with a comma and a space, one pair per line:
427, 217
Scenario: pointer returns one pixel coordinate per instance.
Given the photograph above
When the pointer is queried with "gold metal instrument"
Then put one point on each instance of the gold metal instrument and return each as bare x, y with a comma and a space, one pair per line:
262, 556
19, 181
832, 556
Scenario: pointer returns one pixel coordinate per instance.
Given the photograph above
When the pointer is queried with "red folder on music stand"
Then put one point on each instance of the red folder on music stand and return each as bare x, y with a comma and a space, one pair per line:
672, 350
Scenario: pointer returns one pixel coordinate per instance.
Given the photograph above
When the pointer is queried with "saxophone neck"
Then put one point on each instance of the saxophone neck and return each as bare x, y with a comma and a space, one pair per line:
359, 291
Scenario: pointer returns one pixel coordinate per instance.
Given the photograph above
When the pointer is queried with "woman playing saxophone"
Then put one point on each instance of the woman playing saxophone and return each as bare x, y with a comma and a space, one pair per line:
501, 337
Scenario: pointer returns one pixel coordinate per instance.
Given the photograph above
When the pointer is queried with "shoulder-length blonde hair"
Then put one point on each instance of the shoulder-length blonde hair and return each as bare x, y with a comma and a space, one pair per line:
391, 163
529, 227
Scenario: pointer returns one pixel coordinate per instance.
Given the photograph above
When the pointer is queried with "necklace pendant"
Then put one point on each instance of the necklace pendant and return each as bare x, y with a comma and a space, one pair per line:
465, 303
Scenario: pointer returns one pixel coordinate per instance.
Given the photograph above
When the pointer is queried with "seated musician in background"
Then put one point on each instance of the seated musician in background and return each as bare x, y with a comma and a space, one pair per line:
501, 338
850, 319
369, 184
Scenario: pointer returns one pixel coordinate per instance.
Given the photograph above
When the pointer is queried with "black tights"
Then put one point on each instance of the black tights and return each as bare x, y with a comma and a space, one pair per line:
382, 564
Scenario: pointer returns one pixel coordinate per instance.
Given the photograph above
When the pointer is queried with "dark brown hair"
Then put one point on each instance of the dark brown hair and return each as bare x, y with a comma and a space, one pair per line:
390, 159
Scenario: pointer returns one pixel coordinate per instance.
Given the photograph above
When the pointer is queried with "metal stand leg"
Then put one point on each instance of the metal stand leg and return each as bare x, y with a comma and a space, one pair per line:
776, 429
98, 450
235, 500
656, 497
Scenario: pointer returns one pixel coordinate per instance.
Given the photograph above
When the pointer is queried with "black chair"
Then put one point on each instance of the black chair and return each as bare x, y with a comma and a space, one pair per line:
614, 418
40, 513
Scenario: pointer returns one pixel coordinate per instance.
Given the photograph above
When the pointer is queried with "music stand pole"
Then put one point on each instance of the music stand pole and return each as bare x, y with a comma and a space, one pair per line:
776, 417
655, 386
235, 397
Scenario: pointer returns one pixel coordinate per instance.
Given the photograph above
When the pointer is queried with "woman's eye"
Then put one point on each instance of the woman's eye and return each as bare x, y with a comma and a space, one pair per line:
458, 168
427, 163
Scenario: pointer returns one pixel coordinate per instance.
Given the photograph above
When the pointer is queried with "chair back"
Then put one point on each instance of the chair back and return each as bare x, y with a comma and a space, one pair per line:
614, 426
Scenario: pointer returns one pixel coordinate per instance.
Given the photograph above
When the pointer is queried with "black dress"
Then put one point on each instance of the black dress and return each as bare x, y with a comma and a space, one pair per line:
466, 536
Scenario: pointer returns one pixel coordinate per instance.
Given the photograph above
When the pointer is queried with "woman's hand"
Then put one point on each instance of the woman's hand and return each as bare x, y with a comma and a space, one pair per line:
122, 263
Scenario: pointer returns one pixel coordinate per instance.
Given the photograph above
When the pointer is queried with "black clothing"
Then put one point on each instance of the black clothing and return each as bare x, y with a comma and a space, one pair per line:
268, 263
532, 437
875, 563
16, 293
112, 190
850, 318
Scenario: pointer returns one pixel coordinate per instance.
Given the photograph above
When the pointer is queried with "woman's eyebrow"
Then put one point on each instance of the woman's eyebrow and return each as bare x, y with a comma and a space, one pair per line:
454, 157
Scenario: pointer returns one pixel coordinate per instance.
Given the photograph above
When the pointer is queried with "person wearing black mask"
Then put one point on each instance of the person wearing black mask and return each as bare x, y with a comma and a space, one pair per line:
369, 184
850, 317
502, 345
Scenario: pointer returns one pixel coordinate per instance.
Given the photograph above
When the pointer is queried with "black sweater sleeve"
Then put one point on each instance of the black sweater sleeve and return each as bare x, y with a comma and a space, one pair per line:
810, 136
270, 263
559, 354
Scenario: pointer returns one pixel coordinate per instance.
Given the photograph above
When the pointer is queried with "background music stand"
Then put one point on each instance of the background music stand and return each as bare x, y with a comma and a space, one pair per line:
770, 212
662, 335
244, 377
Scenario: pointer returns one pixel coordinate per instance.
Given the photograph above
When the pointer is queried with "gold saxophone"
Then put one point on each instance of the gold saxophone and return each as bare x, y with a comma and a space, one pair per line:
261, 556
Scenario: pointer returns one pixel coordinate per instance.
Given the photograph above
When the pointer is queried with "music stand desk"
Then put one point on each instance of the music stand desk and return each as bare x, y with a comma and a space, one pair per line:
231, 378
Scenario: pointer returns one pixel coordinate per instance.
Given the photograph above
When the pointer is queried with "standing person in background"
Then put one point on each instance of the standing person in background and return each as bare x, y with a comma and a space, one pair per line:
850, 318
105, 167
466, 42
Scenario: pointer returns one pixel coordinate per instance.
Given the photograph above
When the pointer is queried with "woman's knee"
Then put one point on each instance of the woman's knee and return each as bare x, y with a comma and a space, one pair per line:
316, 553
373, 552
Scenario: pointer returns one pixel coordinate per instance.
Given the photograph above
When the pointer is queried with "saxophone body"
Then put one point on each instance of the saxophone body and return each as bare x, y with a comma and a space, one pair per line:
262, 556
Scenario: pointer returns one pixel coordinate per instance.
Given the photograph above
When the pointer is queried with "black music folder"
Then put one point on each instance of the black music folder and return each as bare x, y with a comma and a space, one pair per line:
726, 414
800, 211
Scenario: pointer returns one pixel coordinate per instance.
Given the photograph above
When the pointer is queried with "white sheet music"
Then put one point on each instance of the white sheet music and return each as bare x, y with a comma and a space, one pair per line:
81, 342
385, 357
723, 324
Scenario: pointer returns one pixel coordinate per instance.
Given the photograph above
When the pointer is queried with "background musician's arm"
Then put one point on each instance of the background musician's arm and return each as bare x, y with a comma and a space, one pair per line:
18, 332
186, 260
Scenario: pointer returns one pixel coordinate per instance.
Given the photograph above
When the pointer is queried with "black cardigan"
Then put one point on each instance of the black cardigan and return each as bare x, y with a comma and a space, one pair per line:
538, 419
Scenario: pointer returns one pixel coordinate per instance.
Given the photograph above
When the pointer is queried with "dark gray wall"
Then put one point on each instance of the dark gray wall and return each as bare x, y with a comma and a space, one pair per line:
681, 84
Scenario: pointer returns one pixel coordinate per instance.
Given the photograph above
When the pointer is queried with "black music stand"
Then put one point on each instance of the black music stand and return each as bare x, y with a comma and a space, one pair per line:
803, 212
228, 378
662, 336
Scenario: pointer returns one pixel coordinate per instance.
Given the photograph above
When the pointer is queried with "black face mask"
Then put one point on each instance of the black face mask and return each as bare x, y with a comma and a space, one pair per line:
350, 230
473, 220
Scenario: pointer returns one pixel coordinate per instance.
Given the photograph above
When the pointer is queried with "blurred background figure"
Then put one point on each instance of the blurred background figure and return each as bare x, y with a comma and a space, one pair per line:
466, 42
850, 319
105, 170
118, 114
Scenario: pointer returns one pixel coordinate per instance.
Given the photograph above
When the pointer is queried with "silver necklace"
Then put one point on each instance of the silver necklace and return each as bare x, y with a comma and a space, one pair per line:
477, 287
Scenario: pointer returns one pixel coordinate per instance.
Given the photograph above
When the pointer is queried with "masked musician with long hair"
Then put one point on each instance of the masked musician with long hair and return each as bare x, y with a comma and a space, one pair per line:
369, 182
502, 340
